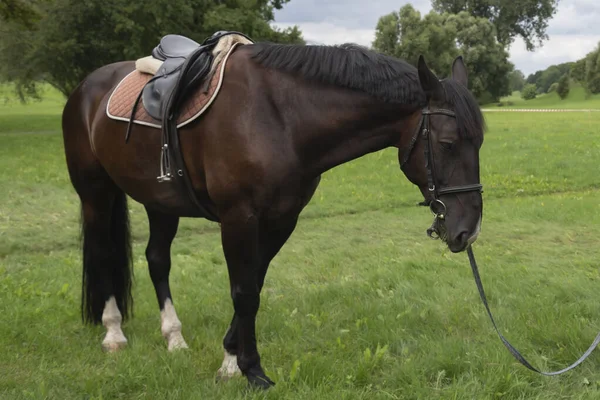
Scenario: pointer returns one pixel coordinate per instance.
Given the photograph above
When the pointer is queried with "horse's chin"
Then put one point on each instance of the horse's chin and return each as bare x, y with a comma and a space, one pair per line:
457, 248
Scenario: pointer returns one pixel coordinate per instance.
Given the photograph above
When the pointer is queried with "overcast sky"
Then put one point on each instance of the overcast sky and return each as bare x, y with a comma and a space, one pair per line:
574, 31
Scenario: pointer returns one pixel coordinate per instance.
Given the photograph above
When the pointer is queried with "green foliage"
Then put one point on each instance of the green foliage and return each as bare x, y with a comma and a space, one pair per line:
578, 98
543, 79
533, 78
441, 38
517, 80
592, 71
551, 75
71, 38
578, 70
527, 19
563, 87
529, 92
553, 87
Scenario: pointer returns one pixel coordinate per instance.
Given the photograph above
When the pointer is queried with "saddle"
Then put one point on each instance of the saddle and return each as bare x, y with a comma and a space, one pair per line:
185, 66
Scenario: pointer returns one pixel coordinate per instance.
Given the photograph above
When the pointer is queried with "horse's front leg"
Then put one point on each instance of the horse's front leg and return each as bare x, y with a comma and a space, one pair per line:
241, 233
271, 241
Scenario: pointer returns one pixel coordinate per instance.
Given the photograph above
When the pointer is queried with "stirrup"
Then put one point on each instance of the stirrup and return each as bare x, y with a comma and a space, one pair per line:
164, 159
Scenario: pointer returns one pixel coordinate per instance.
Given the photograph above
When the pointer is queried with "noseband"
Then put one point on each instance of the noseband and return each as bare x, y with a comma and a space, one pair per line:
437, 207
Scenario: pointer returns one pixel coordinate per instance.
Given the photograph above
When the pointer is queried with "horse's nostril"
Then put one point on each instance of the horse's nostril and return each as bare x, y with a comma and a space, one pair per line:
462, 237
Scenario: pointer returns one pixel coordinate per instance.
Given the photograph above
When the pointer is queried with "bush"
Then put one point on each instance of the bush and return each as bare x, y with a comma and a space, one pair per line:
563, 87
553, 87
529, 92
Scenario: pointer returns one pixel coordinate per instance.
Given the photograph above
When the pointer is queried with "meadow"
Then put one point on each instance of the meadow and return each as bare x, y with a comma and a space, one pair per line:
359, 304
578, 98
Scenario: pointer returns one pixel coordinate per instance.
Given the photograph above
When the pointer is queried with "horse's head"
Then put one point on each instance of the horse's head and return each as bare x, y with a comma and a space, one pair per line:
442, 157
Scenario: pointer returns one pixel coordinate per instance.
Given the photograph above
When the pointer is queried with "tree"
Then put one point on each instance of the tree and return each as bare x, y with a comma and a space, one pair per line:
545, 78
68, 39
527, 19
529, 92
563, 87
578, 70
442, 37
517, 80
533, 78
549, 76
592, 71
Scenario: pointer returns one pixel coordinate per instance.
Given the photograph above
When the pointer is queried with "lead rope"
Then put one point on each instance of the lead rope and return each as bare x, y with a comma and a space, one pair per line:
509, 346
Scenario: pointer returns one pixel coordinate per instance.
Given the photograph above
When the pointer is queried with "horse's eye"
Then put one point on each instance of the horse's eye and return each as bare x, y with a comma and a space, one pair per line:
447, 145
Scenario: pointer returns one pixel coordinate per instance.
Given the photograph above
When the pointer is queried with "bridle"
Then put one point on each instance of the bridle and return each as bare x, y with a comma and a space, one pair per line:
437, 206
423, 129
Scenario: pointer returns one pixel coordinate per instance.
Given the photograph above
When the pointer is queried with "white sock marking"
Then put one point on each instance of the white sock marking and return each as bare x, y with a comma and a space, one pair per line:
111, 319
229, 368
171, 327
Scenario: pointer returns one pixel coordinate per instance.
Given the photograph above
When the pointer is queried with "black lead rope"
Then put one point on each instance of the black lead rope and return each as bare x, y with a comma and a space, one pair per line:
509, 346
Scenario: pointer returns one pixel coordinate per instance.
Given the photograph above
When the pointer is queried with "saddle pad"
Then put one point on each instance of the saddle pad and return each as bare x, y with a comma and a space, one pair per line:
121, 100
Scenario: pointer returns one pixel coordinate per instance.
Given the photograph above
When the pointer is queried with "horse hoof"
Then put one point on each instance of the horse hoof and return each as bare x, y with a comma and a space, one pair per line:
258, 379
113, 347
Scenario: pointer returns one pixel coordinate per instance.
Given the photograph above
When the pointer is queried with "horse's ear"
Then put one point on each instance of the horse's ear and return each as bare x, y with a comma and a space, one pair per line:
429, 82
459, 71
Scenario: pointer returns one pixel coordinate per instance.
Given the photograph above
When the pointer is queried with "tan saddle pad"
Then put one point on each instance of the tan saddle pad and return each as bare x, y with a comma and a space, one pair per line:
121, 100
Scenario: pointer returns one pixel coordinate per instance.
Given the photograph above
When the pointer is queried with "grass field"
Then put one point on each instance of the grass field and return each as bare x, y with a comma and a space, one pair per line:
359, 304
577, 98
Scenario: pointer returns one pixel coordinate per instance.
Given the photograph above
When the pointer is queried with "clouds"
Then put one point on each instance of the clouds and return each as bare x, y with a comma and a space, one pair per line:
574, 31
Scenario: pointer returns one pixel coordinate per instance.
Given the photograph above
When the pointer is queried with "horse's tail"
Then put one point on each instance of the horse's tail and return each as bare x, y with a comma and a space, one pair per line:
107, 264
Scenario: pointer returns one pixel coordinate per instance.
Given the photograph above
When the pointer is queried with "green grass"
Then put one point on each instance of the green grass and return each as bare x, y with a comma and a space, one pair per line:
577, 98
359, 304
34, 116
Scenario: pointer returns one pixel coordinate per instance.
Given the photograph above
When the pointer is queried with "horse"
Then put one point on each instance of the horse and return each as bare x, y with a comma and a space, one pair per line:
284, 115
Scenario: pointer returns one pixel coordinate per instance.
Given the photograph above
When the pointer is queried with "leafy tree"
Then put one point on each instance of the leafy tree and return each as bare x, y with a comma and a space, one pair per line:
551, 75
529, 92
67, 39
545, 78
563, 87
578, 70
553, 87
592, 71
527, 19
533, 78
517, 80
442, 37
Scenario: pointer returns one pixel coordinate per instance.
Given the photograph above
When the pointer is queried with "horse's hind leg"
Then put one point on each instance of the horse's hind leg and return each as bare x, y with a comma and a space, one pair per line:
163, 228
106, 260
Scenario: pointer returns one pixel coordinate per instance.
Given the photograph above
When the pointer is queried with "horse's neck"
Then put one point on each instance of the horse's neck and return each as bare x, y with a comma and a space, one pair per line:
337, 132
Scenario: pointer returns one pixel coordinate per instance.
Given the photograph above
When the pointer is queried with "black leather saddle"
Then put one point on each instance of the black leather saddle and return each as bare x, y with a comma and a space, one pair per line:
185, 67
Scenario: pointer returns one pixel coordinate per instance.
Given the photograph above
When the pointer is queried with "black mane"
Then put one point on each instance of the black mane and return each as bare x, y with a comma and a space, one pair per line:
386, 78
348, 65
469, 118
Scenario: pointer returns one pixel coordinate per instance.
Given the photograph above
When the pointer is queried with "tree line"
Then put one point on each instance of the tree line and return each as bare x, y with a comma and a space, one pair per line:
558, 78
61, 41
481, 31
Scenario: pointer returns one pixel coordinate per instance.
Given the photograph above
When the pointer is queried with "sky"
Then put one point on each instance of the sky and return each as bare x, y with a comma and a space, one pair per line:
573, 32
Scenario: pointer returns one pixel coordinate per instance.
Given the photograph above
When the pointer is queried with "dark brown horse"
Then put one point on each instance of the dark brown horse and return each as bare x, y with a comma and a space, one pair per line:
285, 115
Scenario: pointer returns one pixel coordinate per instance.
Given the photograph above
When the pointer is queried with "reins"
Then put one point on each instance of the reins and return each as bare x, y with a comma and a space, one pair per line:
509, 346
438, 208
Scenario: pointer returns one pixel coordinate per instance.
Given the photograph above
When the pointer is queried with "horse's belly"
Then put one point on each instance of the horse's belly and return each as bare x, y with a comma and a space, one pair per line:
135, 167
